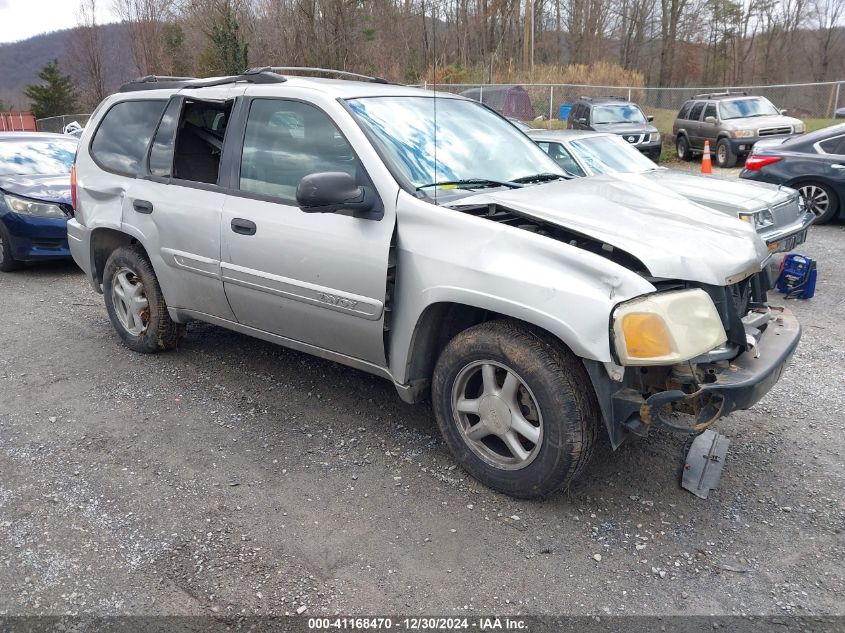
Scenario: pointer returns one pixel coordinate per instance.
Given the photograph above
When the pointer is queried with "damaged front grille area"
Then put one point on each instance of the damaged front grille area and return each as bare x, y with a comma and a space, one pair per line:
503, 215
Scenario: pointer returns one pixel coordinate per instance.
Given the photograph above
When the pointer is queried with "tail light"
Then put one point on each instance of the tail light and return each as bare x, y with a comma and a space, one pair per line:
756, 162
73, 188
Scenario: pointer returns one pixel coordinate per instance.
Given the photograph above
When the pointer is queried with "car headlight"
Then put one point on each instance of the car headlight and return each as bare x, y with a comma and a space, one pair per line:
22, 206
758, 219
666, 328
654, 138
799, 128
743, 133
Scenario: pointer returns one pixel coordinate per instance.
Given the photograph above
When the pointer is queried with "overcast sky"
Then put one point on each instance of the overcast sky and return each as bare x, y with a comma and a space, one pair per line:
20, 19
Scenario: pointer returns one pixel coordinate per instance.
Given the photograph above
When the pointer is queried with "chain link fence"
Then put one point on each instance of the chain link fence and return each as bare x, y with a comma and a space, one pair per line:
805, 101
819, 101
56, 124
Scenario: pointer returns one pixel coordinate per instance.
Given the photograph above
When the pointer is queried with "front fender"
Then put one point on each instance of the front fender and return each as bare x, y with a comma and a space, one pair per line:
447, 256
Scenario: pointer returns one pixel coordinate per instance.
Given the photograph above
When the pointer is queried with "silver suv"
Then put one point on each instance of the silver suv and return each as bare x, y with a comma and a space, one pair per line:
732, 122
429, 242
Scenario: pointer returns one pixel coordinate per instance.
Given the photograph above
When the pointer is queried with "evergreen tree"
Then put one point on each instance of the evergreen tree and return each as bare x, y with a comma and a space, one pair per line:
55, 96
228, 52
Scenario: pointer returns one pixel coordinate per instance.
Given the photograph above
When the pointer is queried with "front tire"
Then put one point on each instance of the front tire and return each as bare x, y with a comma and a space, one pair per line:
7, 261
725, 157
136, 305
821, 200
515, 407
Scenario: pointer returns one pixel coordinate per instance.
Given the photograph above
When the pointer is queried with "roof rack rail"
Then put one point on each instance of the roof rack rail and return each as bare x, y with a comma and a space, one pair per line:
713, 95
160, 82
593, 98
309, 69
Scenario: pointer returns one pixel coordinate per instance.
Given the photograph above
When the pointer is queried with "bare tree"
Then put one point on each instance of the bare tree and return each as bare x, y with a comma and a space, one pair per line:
86, 55
147, 20
827, 19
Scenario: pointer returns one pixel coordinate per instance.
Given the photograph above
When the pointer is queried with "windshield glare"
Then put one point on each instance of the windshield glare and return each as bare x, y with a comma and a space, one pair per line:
471, 142
741, 108
30, 158
610, 155
617, 114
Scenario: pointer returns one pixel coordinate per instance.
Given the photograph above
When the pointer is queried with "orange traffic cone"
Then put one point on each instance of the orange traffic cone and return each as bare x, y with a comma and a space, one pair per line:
706, 165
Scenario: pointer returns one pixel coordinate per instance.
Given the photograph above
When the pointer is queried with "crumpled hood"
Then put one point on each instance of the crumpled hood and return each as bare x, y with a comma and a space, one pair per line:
673, 237
46, 188
706, 190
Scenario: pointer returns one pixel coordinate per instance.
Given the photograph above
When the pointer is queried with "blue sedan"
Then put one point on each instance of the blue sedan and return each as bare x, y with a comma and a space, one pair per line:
35, 199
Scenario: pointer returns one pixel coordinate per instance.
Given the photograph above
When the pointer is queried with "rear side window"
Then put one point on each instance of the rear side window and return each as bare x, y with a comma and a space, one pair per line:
120, 142
695, 114
835, 145
684, 113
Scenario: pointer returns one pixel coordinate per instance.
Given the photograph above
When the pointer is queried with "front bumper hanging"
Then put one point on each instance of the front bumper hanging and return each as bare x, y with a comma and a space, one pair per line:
738, 386
729, 386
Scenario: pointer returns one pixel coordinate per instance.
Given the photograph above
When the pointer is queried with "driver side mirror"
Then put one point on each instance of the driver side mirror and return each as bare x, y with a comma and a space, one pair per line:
711, 119
783, 111
582, 121
334, 191
650, 118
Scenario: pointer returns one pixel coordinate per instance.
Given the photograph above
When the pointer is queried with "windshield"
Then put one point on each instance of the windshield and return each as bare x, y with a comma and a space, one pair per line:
741, 108
29, 158
471, 142
617, 114
610, 155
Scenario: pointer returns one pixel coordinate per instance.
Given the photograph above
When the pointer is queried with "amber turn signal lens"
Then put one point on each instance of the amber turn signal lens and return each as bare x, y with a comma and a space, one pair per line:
646, 336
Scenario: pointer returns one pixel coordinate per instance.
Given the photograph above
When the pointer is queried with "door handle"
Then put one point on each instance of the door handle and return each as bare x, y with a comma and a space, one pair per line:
142, 206
244, 227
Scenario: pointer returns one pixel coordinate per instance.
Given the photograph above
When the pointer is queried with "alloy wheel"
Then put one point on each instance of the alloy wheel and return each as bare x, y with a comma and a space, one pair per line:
497, 415
722, 154
816, 199
130, 301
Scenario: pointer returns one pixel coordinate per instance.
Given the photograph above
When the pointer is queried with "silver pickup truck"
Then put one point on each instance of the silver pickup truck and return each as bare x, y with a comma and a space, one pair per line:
428, 241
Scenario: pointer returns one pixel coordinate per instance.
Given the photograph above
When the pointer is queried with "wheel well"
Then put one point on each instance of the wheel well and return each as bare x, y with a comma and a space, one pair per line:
103, 243
438, 325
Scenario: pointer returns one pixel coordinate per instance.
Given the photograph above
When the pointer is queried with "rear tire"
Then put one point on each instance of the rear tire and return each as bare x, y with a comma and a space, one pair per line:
536, 415
136, 305
820, 199
725, 157
683, 148
7, 262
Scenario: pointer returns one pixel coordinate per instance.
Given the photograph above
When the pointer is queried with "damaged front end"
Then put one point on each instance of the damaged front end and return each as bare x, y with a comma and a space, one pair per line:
690, 395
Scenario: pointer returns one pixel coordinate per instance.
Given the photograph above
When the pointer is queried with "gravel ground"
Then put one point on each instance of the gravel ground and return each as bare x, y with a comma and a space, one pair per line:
235, 477
695, 166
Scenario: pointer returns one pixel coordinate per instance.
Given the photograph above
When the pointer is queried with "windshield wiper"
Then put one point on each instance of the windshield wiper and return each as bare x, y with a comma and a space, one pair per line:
543, 177
474, 182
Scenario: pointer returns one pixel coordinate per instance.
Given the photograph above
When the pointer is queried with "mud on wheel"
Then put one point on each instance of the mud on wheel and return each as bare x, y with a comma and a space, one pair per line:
135, 303
515, 407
